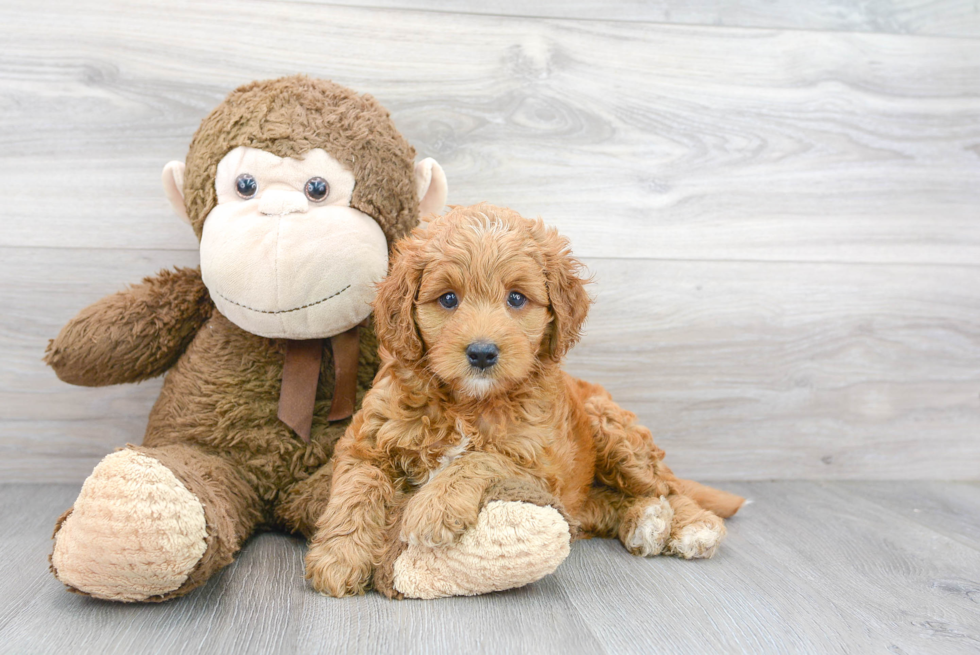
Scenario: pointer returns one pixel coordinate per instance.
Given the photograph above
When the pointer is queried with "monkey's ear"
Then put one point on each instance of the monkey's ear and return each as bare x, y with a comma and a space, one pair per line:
431, 187
173, 187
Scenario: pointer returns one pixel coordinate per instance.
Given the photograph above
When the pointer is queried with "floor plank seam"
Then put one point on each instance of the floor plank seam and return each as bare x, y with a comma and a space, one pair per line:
625, 21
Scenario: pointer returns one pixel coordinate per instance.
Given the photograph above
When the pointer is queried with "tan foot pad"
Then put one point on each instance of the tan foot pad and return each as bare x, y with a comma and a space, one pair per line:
512, 544
135, 531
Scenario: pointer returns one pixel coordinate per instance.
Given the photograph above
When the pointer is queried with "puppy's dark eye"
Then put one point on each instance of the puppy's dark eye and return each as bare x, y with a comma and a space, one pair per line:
246, 186
516, 300
449, 300
317, 189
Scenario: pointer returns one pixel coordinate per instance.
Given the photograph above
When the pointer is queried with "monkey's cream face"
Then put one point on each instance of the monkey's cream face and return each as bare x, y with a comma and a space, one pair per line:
283, 253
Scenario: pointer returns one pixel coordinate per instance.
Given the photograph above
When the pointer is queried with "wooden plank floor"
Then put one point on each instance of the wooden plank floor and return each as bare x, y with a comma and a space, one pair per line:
809, 567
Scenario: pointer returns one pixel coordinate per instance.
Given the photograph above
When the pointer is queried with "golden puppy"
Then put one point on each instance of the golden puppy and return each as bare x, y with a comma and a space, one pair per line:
473, 322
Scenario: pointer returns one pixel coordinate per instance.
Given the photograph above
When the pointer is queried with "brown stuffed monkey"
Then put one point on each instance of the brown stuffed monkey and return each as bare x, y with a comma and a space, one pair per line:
296, 189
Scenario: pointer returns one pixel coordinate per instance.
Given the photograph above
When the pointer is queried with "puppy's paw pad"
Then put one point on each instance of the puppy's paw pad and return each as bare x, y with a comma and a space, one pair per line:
698, 540
135, 531
650, 534
332, 574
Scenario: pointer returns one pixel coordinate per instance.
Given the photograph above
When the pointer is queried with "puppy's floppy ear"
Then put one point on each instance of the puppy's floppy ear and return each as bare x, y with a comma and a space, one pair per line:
394, 306
567, 298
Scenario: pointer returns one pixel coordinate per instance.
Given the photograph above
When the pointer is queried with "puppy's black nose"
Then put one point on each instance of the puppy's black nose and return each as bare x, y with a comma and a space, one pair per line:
482, 355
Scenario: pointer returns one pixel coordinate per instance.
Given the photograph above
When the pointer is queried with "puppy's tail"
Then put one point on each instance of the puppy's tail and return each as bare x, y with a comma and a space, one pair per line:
720, 502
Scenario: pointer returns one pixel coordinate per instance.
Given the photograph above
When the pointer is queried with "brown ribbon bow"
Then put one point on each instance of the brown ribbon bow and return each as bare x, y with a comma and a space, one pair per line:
301, 375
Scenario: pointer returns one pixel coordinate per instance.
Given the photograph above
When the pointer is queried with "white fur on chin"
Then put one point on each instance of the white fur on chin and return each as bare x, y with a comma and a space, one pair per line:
478, 387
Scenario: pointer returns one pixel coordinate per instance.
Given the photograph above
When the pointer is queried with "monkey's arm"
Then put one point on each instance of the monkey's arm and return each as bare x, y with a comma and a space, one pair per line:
132, 335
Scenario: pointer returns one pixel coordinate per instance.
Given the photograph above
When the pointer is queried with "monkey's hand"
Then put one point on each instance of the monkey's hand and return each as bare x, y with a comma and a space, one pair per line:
132, 335
522, 534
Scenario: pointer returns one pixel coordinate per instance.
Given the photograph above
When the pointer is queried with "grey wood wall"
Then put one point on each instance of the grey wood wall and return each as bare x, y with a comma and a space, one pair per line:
780, 201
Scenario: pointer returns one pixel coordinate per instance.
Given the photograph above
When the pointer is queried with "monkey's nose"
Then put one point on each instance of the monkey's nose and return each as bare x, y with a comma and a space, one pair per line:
277, 202
482, 355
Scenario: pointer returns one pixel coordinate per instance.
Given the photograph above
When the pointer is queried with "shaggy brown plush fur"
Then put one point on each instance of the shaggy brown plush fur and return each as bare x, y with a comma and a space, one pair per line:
436, 433
215, 424
107, 343
293, 115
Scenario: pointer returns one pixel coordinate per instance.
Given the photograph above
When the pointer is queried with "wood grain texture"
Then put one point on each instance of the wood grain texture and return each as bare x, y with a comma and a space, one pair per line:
743, 370
783, 223
807, 568
935, 17
755, 370
639, 140
946, 508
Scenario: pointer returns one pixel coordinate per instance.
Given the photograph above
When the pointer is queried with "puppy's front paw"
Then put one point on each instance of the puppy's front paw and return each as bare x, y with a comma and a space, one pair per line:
434, 524
647, 527
699, 540
337, 570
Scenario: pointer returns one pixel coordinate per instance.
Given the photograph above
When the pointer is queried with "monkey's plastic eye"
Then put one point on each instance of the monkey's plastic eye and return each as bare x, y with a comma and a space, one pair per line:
516, 300
317, 189
246, 186
449, 300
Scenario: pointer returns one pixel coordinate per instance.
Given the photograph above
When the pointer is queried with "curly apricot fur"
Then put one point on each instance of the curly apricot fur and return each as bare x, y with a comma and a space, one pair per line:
435, 433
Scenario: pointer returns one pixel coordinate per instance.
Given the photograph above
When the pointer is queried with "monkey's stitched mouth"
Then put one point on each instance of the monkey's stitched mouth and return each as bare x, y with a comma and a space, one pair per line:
284, 311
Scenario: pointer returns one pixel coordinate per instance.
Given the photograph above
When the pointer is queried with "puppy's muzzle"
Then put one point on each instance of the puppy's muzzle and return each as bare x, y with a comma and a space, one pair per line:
482, 355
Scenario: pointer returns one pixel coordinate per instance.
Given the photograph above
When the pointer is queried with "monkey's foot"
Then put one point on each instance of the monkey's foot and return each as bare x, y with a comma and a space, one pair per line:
512, 544
135, 531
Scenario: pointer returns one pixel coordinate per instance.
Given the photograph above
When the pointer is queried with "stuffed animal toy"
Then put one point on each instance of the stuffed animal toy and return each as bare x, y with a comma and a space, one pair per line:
296, 189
